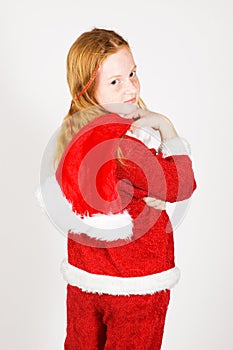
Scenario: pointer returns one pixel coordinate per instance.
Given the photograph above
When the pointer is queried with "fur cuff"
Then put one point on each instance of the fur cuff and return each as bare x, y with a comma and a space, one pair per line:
148, 136
103, 284
175, 146
151, 138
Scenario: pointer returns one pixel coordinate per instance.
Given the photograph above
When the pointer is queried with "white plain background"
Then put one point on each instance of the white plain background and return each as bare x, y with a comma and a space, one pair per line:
184, 53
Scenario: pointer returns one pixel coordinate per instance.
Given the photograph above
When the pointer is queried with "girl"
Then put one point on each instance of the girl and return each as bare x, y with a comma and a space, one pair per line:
120, 265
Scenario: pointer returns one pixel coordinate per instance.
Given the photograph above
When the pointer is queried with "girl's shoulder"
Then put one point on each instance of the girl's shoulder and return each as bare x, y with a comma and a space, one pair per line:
104, 127
103, 132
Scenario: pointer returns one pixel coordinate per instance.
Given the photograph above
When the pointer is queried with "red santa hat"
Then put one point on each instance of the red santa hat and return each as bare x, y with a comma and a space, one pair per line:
82, 197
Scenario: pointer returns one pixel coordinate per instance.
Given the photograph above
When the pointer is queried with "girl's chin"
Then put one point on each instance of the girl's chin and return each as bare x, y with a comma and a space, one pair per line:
121, 107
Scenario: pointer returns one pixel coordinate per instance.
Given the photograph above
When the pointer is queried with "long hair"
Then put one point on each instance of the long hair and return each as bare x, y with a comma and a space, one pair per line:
84, 57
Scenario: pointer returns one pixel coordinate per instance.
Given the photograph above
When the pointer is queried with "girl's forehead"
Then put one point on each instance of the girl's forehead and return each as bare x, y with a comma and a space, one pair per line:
118, 63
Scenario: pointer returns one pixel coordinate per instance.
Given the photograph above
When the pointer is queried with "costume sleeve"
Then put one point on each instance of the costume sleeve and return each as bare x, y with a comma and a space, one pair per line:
156, 174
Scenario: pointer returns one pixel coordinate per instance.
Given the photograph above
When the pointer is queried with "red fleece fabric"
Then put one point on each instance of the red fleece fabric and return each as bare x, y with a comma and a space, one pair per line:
123, 186
108, 322
103, 322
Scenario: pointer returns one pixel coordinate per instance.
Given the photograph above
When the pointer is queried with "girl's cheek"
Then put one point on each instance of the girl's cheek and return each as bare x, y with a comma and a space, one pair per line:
118, 89
136, 83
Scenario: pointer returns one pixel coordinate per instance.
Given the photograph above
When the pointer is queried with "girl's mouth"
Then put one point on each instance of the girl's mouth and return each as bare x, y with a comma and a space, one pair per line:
133, 100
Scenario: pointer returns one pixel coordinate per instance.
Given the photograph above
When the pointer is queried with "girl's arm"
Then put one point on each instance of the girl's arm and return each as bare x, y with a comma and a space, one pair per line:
166, 178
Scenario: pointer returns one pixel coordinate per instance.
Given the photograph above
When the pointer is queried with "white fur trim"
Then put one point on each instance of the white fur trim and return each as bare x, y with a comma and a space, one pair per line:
175, 146
148, 136
112, 285
103, 227
109, 227
151, 138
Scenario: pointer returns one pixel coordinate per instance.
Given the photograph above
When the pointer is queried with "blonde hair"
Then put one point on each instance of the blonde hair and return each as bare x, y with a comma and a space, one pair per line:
84, 57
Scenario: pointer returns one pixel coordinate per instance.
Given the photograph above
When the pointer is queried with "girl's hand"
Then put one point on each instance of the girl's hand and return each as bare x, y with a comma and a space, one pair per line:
155, 203
154, 120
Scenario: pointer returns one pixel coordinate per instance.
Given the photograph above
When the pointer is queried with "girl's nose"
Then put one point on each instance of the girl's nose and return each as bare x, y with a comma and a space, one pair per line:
130, 87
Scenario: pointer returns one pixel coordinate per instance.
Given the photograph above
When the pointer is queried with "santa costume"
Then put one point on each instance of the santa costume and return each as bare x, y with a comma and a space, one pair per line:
120, 266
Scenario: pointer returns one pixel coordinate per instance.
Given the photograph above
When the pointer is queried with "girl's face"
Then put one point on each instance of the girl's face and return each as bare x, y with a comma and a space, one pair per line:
116, 81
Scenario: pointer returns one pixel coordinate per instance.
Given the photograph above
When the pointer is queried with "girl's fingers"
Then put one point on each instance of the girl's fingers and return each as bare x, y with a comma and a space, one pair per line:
155, 203
149, 199
133, 115
136, 114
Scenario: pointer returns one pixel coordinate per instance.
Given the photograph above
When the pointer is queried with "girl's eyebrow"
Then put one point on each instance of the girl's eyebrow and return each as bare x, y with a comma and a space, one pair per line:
118, 76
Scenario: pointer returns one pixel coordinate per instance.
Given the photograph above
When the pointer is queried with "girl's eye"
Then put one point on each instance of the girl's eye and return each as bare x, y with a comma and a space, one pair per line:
132, 74
115, 82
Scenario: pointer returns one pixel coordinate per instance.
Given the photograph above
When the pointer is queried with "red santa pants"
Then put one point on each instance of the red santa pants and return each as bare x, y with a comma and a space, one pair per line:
105, 322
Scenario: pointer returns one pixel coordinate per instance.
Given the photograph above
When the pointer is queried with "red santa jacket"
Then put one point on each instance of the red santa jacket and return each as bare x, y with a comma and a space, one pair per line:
116, 243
